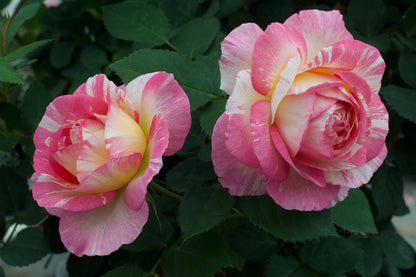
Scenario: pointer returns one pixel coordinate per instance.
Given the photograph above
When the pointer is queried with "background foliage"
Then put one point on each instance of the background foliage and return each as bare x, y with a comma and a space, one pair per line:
202, 231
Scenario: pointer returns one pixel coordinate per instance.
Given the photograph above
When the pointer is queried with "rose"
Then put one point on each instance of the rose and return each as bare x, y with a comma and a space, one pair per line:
52, 3
303, 122
97, 150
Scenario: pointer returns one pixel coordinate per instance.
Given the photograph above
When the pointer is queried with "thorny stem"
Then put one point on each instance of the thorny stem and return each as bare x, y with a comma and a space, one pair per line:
158, 188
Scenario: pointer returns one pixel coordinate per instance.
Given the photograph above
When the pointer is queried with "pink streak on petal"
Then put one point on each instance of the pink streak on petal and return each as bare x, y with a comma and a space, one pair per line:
238, 138
319, 28
103, 230
232, 174
122, 134
272, 163
162, 95
292, 119
67, 157
52, 195
272, 51
112, 175
307, 172
356, 177
157, 143
237, 49
355, 56
297, 193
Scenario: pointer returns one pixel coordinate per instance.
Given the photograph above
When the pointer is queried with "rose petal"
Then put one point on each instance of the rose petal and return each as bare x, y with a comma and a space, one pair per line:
103, 230
157, 143
272, 51
232, 174
237, 48
310, 81
320, 29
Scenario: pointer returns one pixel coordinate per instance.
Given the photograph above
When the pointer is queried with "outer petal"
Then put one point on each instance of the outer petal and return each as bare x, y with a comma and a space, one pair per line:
103, 230
297, 193
112, 175
272, 51
272, 163
232, 174
50, 194
151, 164
320, 29
237, 49
238, 133
356, 177
161, 94
355, 56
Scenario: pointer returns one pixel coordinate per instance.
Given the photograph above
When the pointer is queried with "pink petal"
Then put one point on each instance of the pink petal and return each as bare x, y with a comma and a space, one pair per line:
292, 119
320, 29
67, 157
342, 194
355, 56
123, 135
237, 49
232, 174
356, 177
161, 94
103, 230
157, 143
379, 127
297, 193
238, 137
272, 51
100, 87
272, 163
313, 81
112, 175
52, 195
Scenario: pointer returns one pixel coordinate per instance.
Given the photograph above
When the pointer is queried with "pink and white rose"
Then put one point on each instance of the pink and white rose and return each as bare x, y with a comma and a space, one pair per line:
52, 3
303, 122
96, 152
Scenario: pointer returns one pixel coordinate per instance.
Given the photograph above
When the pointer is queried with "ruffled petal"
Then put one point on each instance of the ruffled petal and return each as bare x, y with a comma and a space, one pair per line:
272, 52
103, 230
297, 193
320, 29
161, 94
272, 163
157, 143
232, 174
237, 49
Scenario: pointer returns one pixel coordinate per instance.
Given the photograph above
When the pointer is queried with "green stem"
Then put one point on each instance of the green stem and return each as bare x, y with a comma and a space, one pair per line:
5, 28
155, 267
168, 43
158, 188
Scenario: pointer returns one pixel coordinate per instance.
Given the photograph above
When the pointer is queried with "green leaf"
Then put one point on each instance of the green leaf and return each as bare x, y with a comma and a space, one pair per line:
4, 3
228, 7
32, 214
387, 191
252, 242
371, 261
332, 255
180, 12
281, 266
85, 266
24, 14
196, 36
13, 190
188, 173
61, 53
137, 22
128, 270
191, 75
24, 50
396, 249
409, 21
210, 115
7, 73
273, 11
2, 225
7, 143
284, 224
354, 213
93, 57
35, 101
402, 100
2, 274
367, 23
200, 256
407, 68
29, 246
10, 113
203, 207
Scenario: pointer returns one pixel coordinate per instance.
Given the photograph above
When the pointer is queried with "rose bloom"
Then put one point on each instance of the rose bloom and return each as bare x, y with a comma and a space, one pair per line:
96, 151
52, 3
303, 122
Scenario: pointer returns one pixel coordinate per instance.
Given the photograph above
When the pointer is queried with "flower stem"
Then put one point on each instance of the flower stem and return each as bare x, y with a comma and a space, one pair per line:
158, 188
168, 43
